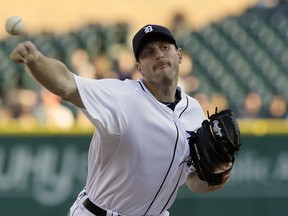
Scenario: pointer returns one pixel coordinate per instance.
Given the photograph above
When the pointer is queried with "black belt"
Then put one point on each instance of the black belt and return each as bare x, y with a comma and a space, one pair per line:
96, 210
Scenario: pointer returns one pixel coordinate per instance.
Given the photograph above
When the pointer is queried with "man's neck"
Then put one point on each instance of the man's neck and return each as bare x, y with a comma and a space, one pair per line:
163, 93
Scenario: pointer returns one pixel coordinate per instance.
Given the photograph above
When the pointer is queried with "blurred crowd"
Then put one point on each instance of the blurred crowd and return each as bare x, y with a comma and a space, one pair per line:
103, 55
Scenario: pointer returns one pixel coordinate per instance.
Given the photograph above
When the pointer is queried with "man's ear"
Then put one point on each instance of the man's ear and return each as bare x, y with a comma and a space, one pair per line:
180, 53
139, 67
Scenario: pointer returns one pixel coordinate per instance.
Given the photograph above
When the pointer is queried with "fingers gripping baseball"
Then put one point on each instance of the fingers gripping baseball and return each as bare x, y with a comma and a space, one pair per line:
25, 53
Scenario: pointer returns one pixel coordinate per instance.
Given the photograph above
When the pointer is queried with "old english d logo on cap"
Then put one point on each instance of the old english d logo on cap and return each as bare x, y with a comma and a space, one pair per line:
148, 29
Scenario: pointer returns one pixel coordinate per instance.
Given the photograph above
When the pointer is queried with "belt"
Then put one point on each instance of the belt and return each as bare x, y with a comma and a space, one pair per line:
96, 210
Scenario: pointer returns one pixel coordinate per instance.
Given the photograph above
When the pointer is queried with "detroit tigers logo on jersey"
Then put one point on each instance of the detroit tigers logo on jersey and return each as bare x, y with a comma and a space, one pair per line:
148, 29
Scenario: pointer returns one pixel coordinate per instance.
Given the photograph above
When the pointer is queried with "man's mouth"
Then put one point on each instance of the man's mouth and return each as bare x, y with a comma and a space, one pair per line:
160, 65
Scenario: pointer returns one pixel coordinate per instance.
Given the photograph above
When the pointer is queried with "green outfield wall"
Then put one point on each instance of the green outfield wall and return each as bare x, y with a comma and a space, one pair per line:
42, 172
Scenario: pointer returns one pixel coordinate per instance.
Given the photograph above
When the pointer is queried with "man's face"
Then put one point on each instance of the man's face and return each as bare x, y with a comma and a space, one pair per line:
159, 62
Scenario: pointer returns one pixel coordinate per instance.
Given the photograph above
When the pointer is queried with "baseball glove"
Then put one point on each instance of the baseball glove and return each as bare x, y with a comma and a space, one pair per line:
215, 142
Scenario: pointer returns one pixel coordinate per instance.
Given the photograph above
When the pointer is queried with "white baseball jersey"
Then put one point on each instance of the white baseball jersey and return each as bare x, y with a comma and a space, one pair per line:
135, 155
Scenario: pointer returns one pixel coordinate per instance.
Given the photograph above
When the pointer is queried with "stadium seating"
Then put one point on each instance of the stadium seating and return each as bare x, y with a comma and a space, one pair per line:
239, 55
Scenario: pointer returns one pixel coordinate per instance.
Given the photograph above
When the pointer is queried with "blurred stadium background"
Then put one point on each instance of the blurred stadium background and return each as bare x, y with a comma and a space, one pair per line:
236, 55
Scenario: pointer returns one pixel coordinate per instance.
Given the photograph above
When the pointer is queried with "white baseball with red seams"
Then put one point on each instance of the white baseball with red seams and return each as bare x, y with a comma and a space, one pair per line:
135, 155
14, 25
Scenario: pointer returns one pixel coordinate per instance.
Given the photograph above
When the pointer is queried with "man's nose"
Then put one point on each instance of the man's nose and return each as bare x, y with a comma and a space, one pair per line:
159, 54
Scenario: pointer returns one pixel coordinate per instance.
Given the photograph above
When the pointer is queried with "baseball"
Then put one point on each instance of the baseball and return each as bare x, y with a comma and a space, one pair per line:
14, 25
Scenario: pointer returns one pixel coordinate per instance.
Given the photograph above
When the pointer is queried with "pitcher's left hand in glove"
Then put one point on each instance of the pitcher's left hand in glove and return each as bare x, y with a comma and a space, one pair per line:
215, 143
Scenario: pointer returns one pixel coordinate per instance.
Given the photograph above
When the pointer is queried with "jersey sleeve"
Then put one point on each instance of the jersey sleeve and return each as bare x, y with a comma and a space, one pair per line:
107, 102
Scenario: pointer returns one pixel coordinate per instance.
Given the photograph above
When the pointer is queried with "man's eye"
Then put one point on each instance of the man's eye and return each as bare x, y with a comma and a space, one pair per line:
165, 47
146, 52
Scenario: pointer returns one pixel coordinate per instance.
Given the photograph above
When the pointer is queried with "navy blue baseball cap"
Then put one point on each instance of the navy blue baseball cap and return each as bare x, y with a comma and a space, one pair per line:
149, 32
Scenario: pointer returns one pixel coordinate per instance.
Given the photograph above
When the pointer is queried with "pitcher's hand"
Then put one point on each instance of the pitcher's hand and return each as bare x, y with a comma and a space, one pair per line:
25, 53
